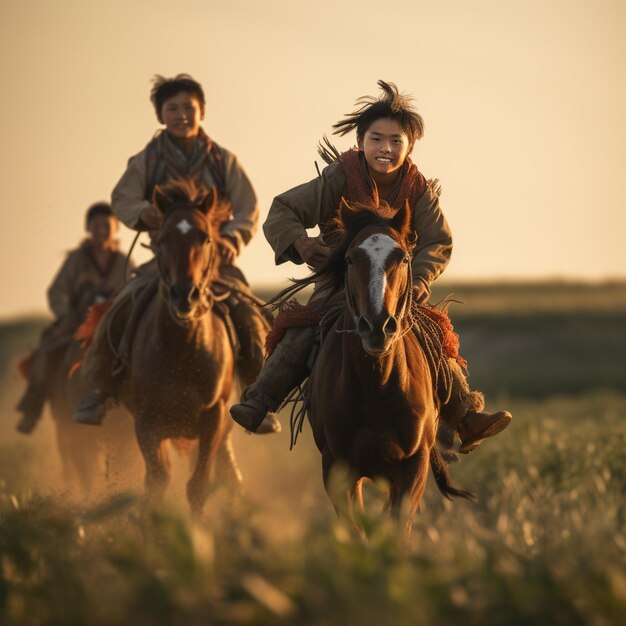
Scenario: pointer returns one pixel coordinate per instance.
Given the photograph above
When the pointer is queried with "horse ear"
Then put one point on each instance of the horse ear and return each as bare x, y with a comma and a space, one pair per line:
346, 212
159, 200
210, 201
401, 221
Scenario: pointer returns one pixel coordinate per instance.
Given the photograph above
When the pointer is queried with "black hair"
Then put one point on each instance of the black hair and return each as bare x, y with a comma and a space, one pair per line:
99, 208
391, 104
165, 88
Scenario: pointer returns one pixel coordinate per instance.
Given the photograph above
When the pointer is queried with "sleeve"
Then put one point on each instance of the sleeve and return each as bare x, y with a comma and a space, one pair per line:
239, 191
128, 198
60, 292
302, 207
434, 239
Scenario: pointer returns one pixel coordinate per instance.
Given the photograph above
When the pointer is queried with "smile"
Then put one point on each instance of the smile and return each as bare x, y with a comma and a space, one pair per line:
383, 159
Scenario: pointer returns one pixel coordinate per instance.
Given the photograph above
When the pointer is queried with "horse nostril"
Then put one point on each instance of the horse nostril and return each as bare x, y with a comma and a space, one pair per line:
390, 327
364, 326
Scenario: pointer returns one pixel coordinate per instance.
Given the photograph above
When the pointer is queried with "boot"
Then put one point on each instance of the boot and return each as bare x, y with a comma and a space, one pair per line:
26, 424
254, 416
92, 408
31, 407
475, 427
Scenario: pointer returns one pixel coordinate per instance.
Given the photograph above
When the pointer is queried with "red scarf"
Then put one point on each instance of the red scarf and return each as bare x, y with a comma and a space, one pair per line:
361, 189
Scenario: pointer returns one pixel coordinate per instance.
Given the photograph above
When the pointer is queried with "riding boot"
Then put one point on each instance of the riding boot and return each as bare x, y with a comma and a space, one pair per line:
283, 370
251, 328
31, 407
32, 401
463, 414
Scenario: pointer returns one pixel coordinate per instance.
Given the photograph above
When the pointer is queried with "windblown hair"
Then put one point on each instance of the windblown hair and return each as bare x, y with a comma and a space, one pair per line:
331, 273
98, 208
183, 193
392, 104
165, 88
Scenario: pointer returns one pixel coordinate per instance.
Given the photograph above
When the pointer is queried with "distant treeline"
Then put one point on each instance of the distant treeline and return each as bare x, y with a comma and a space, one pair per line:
520, 339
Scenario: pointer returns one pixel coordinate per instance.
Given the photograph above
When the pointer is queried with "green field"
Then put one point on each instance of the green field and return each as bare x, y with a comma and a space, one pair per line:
546, 543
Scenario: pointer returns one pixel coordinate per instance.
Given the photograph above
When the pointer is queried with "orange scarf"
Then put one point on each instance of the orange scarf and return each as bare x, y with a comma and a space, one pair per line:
361, 189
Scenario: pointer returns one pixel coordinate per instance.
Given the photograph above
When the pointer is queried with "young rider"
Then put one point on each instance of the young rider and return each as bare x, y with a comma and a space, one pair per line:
380, 168
91, 273
181, 150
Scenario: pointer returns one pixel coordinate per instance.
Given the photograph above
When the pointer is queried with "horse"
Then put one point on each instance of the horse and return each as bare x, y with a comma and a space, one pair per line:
180, 371
91, 461
371, 399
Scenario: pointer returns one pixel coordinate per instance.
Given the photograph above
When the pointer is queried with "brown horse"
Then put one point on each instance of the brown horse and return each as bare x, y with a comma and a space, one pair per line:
181, 370
92, 461
372, 406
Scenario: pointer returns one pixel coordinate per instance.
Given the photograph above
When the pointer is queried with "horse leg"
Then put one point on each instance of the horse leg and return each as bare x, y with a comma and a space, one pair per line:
214, 421
409, 480
156, 460
343, 492
226, 468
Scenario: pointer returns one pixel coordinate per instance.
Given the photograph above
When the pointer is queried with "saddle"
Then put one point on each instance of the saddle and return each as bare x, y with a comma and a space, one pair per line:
222, 295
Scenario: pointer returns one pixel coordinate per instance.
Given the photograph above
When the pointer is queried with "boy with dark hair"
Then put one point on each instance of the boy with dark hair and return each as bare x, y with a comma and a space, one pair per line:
380, 168
90, 274
180, 151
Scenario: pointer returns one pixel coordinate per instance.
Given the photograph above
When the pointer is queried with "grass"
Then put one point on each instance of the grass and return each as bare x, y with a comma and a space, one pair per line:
545, 544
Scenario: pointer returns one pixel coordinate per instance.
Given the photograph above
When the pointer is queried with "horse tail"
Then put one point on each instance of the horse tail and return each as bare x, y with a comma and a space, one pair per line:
443, 479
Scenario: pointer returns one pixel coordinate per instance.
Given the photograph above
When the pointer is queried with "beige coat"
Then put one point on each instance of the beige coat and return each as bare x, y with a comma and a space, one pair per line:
129, 197
315, 202
79, 284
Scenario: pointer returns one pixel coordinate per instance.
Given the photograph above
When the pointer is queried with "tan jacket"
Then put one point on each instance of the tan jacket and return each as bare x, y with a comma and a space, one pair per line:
80, 283
315, 202
129, 197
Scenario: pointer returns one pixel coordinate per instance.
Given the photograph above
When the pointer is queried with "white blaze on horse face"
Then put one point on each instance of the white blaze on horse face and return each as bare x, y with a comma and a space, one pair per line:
184, 227
378, 248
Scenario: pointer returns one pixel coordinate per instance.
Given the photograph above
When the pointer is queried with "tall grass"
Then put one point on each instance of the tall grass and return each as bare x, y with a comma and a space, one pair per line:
546, 544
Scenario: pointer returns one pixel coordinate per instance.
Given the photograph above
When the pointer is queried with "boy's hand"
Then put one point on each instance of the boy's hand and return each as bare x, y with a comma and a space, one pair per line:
149, 219
313, 252
227, 248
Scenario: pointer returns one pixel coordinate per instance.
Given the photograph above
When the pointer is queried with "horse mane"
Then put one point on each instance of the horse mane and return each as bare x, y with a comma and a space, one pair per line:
332, 271
193, 194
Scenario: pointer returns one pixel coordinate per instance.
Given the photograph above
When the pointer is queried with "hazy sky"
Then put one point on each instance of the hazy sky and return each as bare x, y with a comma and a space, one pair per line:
524, 103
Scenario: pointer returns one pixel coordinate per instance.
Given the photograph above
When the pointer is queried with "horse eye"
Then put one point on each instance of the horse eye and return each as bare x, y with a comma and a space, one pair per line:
349, 260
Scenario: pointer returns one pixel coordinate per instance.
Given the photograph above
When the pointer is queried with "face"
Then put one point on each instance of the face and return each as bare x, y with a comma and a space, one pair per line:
182, 115
385, 146
186, 260
102, 229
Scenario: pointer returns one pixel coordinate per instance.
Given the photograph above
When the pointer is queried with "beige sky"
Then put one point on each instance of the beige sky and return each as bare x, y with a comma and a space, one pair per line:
524, 103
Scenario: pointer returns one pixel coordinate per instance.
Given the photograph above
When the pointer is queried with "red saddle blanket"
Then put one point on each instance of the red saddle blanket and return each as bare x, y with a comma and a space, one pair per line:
295, 315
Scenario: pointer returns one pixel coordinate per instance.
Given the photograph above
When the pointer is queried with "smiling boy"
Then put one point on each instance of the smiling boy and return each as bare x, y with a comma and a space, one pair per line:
379, 169
182, 150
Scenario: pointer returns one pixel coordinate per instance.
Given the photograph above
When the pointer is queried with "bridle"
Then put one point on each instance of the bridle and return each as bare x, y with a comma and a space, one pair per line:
206, 295
403, 307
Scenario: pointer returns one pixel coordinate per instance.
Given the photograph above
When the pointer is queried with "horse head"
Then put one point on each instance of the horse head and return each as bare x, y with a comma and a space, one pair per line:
378, 279
186, 245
